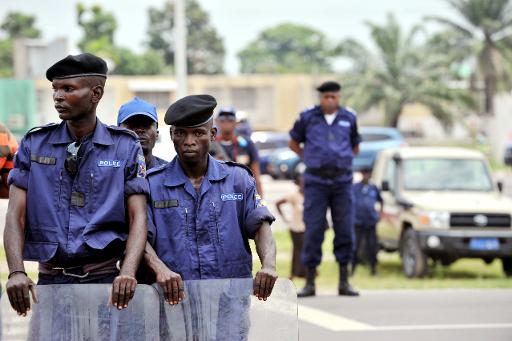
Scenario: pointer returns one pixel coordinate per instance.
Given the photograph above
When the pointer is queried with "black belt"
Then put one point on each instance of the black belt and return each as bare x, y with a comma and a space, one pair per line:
329, 172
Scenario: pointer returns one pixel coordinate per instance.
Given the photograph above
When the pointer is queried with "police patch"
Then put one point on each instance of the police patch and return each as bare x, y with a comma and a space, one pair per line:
232, 197
109, 163
344, 124
141, 166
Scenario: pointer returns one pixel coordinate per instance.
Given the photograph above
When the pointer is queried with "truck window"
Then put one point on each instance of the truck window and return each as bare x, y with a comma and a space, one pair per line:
389, 174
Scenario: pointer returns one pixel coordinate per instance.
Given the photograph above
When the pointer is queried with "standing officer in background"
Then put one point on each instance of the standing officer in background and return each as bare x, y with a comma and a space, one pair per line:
238, 148
204, 211
330, 136
140, 117
78, 194
8, 147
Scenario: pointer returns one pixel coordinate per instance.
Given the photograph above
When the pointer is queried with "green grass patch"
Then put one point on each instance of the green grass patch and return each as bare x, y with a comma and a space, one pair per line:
465, 273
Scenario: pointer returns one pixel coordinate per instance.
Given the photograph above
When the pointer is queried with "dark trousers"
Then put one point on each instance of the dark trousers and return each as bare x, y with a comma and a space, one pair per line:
366, 245
63, 279
317, 198
298, 269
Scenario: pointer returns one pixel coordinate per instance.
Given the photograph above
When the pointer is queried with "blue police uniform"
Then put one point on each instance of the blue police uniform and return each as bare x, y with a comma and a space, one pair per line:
81, 219
366, 196
327, 181
204, 235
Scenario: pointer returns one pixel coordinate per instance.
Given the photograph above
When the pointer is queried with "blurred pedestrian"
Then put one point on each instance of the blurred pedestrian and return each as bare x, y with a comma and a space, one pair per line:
243, 126
77, 194
8, 147
330, 139
238, 148
140, 117
296, 225
366, 197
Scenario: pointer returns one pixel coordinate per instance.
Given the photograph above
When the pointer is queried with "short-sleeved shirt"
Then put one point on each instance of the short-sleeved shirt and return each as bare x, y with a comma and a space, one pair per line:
366, 196
72, 220
8, 147
241, 150
327, 146
205, 234
155, 162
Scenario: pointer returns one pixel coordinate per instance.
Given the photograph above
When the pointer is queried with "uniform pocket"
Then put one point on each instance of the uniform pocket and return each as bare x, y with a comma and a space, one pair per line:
39, 251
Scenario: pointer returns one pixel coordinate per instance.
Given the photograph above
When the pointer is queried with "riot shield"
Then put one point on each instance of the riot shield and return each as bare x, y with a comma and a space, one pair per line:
75, 312
212, 310
226, 310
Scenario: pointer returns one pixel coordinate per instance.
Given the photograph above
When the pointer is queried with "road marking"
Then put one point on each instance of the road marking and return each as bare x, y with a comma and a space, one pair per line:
330, 321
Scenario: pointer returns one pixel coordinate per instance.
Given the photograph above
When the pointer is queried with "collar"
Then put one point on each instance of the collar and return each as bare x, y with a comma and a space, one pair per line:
175, 176
100, 135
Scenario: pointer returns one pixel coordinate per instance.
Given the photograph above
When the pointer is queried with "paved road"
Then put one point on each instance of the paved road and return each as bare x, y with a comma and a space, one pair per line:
467, 315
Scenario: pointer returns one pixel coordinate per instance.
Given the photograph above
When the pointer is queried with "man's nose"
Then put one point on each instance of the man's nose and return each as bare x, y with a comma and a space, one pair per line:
190, 139
58, 95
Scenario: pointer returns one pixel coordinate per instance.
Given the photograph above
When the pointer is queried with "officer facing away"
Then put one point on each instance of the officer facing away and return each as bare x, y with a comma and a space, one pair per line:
238, 148
77, 194
203, 211
140, 117
330, 137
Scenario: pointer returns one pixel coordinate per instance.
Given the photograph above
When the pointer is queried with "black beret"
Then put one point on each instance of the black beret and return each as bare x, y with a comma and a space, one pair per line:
81, 65
329, 86
191, 111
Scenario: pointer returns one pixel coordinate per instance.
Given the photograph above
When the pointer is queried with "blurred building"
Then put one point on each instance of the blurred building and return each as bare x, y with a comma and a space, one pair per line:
32, 56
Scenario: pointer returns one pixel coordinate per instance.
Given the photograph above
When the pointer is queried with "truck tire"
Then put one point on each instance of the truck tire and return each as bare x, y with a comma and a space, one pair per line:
414, 260
507, 266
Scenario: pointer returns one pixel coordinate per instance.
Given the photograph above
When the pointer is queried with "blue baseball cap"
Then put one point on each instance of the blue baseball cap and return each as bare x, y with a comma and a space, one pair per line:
135, 107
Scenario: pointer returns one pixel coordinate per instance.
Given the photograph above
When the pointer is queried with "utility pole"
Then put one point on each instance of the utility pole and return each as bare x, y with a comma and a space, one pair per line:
180, 48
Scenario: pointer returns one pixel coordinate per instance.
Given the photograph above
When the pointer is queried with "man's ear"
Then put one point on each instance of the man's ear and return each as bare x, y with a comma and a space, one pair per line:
97, 93
213, 133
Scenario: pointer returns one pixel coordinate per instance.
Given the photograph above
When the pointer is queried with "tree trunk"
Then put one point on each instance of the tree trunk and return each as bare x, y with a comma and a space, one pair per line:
489, 92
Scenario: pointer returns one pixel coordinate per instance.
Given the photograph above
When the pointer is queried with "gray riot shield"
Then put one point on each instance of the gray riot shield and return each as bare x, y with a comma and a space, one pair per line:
76, 312
212, 310
227, 310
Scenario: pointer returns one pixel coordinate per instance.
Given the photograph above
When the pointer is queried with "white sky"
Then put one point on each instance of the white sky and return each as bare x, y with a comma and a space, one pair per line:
237, 21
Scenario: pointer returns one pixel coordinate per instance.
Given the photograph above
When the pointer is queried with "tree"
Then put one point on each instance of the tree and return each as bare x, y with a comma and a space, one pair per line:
400, 72
287, 48
15, 25
98, 38
482, 32
205, 49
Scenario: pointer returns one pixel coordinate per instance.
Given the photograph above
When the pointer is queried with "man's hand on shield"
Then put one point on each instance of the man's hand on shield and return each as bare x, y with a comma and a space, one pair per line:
18, 290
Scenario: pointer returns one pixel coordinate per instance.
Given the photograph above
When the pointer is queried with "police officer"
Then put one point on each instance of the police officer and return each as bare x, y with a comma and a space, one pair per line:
204, 211
366, 196
330, 137
140, 117
78, 194
239, 148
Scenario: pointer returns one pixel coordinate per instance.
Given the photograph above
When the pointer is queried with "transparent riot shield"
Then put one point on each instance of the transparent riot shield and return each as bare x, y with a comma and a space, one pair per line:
212, 310
76, 312
227, 310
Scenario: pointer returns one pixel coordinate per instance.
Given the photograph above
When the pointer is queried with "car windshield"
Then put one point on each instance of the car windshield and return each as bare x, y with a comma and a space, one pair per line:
446, 175
271, 144
375, 137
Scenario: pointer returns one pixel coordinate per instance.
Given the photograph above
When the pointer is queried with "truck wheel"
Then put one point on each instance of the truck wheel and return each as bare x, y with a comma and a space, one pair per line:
413, 259
507, 266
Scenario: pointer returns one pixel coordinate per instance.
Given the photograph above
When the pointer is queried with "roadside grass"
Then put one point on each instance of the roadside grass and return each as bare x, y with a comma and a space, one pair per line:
465, 273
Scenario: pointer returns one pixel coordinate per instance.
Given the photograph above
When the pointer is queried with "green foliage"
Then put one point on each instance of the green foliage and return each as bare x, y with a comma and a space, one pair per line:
287, 48
482, 33
205, 49
98, 38
400, 72
15, 25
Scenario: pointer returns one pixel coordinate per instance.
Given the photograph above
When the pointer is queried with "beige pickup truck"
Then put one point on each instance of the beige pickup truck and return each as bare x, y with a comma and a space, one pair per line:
441, 203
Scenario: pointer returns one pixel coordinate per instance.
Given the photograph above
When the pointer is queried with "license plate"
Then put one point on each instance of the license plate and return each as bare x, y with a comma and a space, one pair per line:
484, 244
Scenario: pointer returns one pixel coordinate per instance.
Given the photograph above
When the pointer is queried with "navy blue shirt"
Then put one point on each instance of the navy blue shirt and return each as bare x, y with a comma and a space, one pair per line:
241, 150
365, 198
75, 219
327, 146
205, 234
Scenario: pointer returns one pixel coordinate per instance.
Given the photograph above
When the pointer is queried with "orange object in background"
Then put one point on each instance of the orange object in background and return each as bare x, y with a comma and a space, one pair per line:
8, 147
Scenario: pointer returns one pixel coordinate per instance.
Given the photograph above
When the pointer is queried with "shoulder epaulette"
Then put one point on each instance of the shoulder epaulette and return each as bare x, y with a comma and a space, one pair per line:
41, 128
156, 169
122, 130
236, 164
350, 110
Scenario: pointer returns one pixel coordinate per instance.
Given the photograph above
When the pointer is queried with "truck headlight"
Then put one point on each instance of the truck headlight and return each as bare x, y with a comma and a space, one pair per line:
435, 219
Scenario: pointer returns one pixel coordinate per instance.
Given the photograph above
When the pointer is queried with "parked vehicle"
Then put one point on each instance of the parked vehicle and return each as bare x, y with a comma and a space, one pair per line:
441, 203
508, 154
284, 164
267, 142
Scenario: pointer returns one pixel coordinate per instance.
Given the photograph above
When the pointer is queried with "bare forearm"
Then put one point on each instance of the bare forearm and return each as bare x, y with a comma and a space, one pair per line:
266, 246
137, 234
151, 258
295, 147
